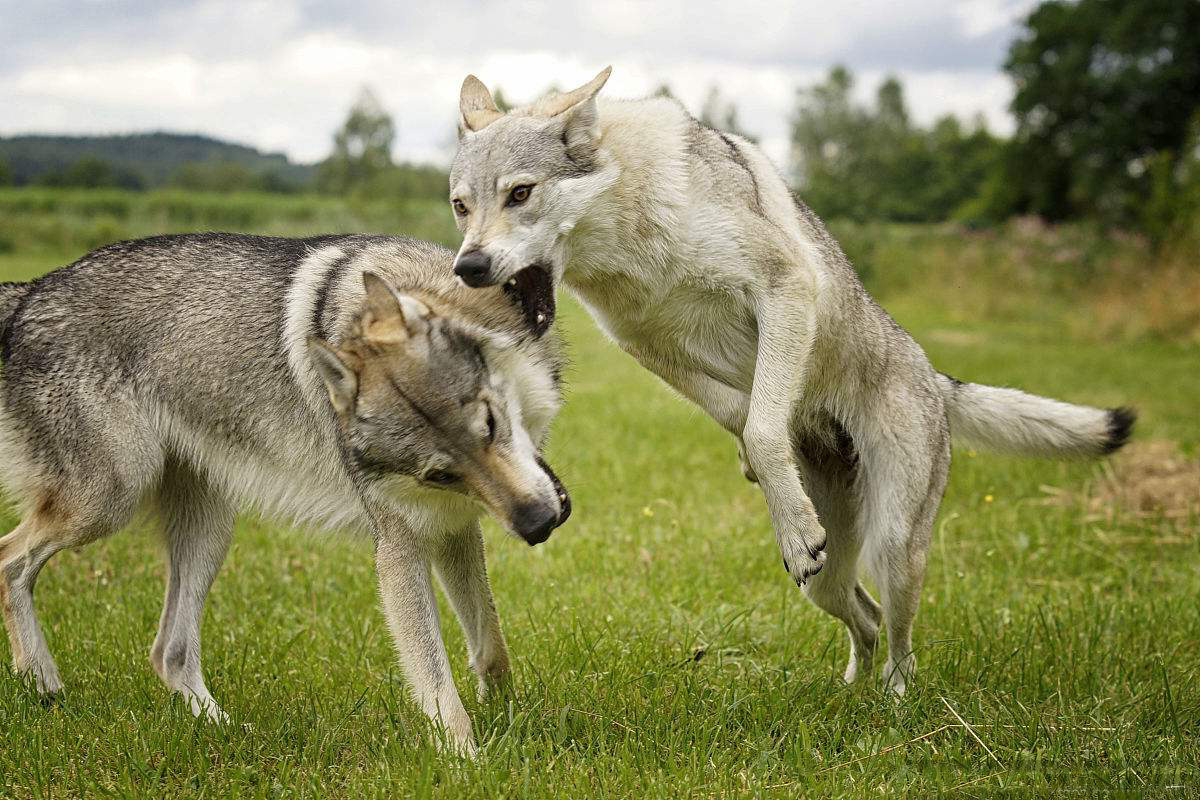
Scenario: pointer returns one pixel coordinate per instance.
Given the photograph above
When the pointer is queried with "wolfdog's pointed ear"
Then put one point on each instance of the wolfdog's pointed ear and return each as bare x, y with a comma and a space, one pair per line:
476, 107
390, 317
556, 104
580, 118
340, 381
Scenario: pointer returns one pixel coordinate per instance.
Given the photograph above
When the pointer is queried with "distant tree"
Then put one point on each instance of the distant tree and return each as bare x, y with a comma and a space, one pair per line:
1172, 211
896, 160
722, 115
663, 90
891, 111
829, 137
228, 176
362, 147
874, 163
273, 180
963, 159
1106, 91
220, 176
409, 181
145, 159
6, 176
92, 173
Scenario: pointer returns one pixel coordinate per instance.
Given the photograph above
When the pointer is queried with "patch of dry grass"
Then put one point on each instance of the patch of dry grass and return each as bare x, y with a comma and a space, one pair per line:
1148, 480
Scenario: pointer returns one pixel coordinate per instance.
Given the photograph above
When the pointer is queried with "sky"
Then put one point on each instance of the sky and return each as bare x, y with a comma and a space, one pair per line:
281, 74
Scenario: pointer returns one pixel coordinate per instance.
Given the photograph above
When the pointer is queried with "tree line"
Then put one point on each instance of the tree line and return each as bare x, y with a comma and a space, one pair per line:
1107, 113
145, 161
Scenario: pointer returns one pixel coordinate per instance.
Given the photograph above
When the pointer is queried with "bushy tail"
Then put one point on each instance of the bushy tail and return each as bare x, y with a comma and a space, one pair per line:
1011, 421
11, 295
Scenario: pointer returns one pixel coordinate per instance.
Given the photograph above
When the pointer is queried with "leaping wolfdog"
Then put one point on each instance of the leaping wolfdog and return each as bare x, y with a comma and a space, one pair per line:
344, 381
691, 253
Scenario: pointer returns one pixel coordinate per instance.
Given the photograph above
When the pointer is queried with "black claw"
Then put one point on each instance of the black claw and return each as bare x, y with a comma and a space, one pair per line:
786, 568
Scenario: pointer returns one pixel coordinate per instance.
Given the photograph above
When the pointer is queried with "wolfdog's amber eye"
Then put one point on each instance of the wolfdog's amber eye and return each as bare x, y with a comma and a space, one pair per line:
440, 477
460, 207
519, 195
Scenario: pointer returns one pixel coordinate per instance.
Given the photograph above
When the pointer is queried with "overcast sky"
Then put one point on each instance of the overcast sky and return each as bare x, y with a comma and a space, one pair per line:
280, 74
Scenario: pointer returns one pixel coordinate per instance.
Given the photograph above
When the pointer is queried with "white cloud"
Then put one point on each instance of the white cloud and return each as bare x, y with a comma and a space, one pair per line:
981, 17
273, 74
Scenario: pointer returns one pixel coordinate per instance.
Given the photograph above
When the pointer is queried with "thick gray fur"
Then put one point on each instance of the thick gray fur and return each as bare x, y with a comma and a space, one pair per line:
339, 381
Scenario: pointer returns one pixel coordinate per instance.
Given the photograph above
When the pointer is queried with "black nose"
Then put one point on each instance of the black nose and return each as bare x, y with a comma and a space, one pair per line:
473, 268
535, 522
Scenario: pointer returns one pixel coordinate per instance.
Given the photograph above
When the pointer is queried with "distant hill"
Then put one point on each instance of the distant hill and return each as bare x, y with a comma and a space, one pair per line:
146, 159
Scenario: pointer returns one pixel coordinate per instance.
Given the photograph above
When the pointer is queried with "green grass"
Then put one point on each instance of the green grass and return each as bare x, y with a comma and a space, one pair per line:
660, 650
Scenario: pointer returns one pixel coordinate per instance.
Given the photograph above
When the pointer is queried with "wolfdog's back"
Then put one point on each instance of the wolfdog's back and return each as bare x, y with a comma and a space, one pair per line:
155, 352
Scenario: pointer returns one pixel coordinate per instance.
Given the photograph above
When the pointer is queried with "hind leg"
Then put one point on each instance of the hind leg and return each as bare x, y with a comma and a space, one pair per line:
199, 523
900, 487
23, 553
829, 478
50, 528
82, 455
838, 592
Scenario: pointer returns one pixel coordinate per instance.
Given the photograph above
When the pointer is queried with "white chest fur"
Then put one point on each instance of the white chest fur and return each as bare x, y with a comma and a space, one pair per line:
694, 325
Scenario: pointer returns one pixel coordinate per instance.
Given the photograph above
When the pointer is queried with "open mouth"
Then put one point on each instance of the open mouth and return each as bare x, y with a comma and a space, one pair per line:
532, 289
564, 499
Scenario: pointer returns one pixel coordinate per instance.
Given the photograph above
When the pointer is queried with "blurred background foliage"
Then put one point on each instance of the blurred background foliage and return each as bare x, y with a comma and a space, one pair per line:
1106, 104
1102, 171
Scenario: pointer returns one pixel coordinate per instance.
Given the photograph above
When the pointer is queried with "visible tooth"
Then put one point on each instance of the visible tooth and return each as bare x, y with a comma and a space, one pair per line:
541, 318
511, 282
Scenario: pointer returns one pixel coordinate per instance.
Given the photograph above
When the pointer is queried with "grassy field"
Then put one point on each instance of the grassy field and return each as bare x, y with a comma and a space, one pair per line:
660, 650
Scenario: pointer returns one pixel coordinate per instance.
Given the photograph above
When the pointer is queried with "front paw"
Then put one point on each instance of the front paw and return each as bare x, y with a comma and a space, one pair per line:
801, 560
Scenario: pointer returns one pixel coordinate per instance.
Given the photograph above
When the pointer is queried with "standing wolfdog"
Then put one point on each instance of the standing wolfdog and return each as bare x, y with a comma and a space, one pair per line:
691, 253
345, 381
